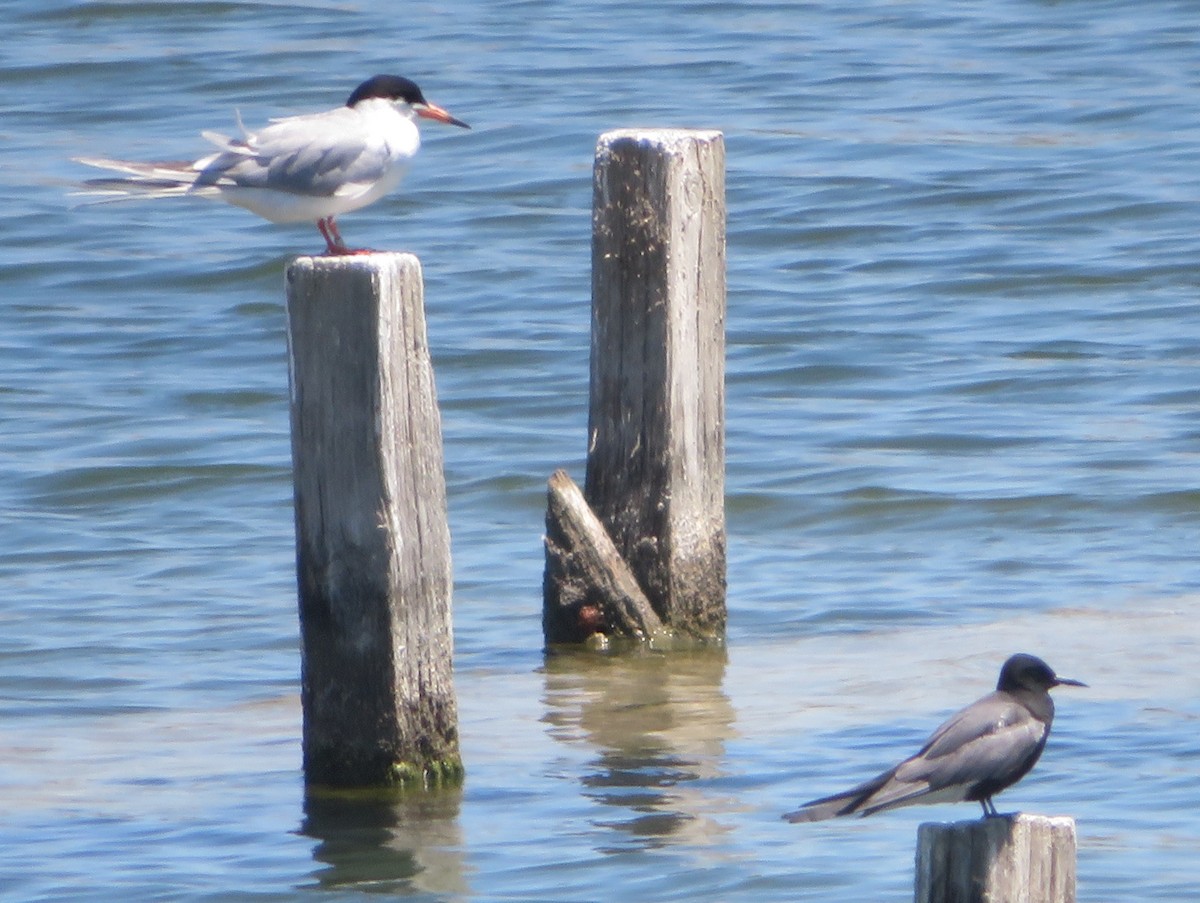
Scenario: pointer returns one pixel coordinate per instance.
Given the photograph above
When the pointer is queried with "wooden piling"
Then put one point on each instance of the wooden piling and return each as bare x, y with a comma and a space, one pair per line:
372, 537
656, 432
588, 587
1008, 859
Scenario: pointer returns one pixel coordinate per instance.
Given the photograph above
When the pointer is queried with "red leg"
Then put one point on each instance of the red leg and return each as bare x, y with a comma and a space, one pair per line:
331, 224
333, 238
334, 244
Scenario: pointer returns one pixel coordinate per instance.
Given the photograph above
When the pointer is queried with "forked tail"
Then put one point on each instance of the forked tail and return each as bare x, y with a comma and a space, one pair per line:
142, 180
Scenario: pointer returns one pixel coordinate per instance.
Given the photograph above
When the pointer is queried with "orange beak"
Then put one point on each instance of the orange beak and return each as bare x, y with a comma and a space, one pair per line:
432, 111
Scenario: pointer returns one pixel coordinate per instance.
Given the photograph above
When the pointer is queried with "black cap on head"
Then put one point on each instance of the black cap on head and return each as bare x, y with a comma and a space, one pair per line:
1028, 672
388, 87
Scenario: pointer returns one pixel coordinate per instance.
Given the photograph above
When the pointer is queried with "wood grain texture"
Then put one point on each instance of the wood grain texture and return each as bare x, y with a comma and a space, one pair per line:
588, 586
656, 453
1009, 859
372, 537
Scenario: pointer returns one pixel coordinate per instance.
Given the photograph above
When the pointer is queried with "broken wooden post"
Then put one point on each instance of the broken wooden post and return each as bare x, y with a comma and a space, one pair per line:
588, 587
1006, 859
656, 425
372, 537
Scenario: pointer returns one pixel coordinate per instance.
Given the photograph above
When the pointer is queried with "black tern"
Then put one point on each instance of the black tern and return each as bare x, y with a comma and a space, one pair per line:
979, 751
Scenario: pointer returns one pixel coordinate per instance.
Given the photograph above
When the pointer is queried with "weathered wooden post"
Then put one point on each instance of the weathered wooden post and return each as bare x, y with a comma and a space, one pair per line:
656, 432
589, 581
1007, 859
372, 539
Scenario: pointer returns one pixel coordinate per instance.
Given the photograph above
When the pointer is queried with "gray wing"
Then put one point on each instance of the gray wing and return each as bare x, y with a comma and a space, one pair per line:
321, 155
991, 740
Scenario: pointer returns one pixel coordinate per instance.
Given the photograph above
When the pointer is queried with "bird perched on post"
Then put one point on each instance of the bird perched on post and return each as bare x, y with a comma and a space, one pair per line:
979, 751
308, 168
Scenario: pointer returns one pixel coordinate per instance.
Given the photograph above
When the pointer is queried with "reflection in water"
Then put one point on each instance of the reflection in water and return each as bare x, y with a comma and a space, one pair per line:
658, 723
388, 844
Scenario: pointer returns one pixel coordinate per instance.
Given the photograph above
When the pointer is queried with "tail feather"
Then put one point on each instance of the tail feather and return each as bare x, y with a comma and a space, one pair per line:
170, 178
822, 809
855, 800
108, 191
178, 171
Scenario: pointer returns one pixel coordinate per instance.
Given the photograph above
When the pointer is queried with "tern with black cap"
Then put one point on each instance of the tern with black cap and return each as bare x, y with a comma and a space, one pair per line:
308, 168
979, 751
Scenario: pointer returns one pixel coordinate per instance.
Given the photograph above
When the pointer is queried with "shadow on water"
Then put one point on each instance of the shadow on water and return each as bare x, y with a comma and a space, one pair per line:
388, 845
658, 724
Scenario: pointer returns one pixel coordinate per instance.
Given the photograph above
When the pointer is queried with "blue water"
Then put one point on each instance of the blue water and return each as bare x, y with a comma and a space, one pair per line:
964, 351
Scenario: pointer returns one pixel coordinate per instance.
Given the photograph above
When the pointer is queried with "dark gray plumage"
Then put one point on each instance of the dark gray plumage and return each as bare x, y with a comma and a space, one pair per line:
976, 753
